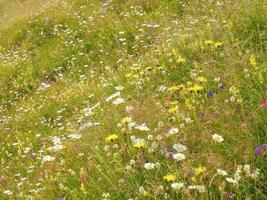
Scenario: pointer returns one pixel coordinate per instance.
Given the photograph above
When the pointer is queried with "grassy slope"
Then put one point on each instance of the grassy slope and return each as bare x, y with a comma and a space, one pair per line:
70, 55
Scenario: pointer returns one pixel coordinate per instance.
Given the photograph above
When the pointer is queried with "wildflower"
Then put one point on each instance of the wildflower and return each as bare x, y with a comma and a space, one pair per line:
8, 192
48, 159
217, 138
150, 166
142, 127
173, 131
173, 109
200, 188
221, 172
126, 120
195, 88
118, 101
177, 185
169, 177
231, 180
200, 170
263, 103
260, 149
202, 79
180, 60
179, 156
209, 42
111, 138
74, 136
179, 147
139, 145
252, 60
218, 44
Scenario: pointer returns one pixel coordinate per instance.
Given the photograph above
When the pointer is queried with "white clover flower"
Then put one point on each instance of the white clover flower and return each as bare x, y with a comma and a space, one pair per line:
231, 180
200, 188
173, 131
8, 192
116, 94
118, 101
179, 156
217, 138
75, 136
177, 185
179, 147
119, 88
150, 166
221, 172
48, 158
142, 127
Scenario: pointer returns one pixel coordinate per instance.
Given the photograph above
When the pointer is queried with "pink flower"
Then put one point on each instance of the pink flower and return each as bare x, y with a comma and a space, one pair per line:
263, 103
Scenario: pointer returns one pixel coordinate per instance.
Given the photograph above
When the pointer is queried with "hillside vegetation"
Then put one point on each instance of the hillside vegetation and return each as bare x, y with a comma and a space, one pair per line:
133, 99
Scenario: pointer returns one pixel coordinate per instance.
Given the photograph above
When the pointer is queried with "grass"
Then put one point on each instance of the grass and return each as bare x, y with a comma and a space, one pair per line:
149, 74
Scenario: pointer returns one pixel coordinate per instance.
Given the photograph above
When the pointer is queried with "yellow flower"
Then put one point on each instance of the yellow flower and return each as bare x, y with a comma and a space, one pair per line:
129, 75
111, 138
218, 44
253, 60
169, 177
136, 76
200, 170
202, 79
173, 109
126, 120
195, 88
145, 193
139, 145
208, 42
180, 60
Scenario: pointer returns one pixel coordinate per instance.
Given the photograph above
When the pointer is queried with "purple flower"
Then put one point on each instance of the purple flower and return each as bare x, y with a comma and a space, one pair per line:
260, 149
210, 94
230, 195
170, 155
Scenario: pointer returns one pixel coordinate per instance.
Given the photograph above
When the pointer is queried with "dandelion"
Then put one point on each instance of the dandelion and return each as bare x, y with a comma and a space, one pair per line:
200, 170
111, 138
195, 88
202, 79
177, 185
169, 177
139, 145
179, 156
217, 138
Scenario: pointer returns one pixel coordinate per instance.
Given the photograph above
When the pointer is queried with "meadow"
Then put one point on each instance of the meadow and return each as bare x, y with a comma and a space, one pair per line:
133, 99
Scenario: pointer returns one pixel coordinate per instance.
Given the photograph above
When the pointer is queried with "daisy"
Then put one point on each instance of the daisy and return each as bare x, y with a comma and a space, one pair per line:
179, 147
150, 166
179, 156
217, 138
177, 185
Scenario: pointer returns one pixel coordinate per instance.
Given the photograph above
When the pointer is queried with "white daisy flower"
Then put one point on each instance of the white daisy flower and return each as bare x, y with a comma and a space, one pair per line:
217, 138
